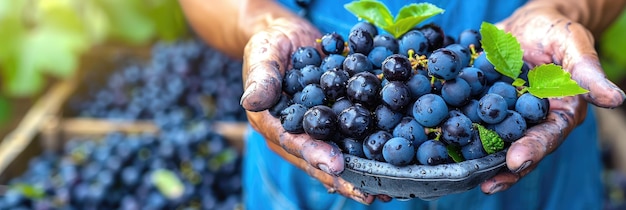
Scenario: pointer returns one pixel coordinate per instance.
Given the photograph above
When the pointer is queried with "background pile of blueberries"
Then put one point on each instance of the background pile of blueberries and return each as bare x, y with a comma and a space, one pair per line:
182, 88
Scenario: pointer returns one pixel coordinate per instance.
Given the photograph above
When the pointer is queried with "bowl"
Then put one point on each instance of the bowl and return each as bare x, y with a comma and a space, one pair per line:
420, 181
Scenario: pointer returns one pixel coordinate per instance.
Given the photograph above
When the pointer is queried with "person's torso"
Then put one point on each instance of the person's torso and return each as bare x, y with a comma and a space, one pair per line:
331, 16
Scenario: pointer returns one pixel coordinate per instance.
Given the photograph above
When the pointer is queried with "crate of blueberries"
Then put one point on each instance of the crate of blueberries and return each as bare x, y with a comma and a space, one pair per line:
156, 128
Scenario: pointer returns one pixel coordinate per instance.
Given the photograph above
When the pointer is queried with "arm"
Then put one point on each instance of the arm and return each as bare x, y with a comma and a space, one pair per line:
228, 24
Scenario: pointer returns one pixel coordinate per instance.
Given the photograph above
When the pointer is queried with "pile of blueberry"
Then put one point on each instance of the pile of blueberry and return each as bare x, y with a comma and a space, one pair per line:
184, 87
184, 77
424, 98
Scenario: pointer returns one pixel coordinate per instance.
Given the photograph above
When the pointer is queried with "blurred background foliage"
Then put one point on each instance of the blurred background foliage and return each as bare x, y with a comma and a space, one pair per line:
40, 39
611, 50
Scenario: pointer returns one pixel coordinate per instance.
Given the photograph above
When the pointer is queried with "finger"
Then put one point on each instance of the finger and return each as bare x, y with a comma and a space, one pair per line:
317, 153
581, 60
502, 181
571, 45
267, 56
384, 198
334, 184
324, 156
264, 58
542, 139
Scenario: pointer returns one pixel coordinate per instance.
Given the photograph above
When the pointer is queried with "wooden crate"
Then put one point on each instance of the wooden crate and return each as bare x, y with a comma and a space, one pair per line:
45, 127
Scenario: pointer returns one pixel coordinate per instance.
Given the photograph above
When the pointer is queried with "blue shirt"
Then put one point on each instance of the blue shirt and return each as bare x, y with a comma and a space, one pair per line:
569, 178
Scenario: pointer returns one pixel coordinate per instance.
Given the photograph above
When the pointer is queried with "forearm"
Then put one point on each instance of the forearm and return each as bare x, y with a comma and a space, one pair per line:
228, 24
595, 15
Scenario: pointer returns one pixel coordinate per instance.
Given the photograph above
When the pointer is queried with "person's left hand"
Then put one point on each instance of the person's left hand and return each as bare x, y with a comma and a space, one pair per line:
547, 36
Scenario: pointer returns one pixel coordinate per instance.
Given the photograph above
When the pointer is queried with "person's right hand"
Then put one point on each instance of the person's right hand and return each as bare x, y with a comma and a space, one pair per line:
266, 34
266, 57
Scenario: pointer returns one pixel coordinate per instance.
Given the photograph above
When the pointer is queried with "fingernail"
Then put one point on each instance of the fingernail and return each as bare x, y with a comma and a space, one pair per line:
332, 190
245, 94
363, 199
324, 168
523, 166
496, 188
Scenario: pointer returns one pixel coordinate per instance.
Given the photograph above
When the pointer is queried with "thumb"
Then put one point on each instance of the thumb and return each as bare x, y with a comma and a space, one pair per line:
265, 58
581, 60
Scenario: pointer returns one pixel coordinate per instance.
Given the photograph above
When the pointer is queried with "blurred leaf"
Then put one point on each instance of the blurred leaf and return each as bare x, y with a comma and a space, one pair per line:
11, 28
49, 38
168, 183
59, 14
168, 18
126, 22
97, 24
5, 110
612, 45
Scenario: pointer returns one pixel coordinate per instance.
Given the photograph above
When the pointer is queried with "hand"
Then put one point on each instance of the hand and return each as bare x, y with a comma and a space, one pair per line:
547, 36
266, 57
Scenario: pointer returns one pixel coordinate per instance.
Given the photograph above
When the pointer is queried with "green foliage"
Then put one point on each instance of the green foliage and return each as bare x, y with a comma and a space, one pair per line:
550, 80
378, 14
455, 153
47, 37
611, 49
491, 141
502, 49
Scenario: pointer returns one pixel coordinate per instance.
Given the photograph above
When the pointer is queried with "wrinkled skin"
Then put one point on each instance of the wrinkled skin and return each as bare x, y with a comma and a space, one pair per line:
549, 37
545, 35
267, 57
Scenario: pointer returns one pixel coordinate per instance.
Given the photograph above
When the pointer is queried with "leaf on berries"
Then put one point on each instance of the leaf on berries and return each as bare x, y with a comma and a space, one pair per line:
519, 82
491, 141
410, 16
550, 80
503, 50
373, 12
455, 153
378, 14
168, 183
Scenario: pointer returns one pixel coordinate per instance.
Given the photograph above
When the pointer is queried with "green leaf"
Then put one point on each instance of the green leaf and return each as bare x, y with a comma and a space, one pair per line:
491, 141
612, 45
5, 110
502, 49
410, 16
374, 12
168, 183
549, 80
518, 82
455, 153
126, 22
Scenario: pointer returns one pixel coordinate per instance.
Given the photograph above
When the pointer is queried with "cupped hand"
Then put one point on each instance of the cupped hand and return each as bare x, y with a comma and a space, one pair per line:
266, 57
547, 36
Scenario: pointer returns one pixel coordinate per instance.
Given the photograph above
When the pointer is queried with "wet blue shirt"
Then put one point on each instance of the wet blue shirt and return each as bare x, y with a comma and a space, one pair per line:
569, 178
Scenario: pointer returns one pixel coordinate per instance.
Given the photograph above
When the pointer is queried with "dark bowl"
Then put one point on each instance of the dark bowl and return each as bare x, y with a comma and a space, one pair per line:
420, 181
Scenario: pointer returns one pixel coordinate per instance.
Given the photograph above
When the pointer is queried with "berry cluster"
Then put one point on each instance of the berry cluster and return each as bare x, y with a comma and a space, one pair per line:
187, 76
183, 88
423, 98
